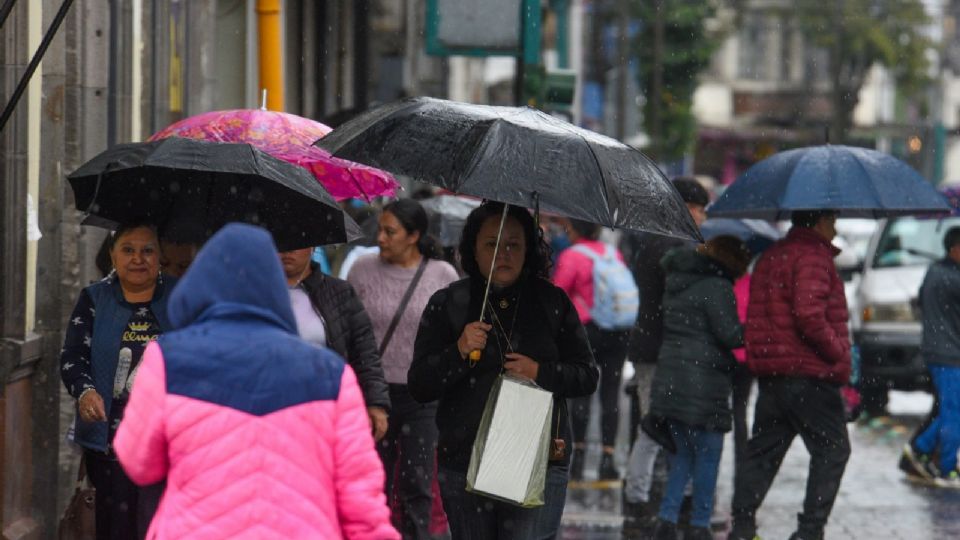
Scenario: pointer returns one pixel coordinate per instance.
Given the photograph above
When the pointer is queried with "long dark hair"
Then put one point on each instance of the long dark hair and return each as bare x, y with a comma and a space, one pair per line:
536, 260
413, 218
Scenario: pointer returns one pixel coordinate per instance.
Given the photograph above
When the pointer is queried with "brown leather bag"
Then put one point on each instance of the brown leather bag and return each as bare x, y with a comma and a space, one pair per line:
79, 520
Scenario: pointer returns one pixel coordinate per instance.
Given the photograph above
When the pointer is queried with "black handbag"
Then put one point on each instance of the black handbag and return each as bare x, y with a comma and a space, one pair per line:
657, 428
79, 521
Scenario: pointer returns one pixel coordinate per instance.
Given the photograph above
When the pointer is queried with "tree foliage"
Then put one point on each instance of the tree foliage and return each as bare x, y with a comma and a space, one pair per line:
687, 48
856, 34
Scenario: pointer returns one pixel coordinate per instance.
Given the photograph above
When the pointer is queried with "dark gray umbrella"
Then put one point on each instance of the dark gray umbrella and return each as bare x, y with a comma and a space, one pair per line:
448, 214
519, 156
193, 188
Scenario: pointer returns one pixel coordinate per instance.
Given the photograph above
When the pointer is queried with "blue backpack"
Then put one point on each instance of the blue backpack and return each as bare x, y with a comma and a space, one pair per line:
616, 298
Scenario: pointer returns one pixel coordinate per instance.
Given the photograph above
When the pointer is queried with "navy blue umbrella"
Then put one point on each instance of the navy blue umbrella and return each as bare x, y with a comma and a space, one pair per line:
856, 182
757, 234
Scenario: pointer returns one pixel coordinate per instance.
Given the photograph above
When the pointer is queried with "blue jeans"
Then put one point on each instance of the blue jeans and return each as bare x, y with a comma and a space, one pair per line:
944, 431
698, 456
475, 517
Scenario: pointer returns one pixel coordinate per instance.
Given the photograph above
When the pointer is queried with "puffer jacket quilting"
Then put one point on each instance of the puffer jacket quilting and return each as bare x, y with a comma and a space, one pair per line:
349, 333
797, 315
693, 378
258, 433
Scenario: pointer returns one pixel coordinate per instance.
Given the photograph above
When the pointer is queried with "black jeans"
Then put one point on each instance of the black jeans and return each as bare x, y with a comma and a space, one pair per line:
787, 407
610, 351
116, 500
475, 517
408, 452
742, 384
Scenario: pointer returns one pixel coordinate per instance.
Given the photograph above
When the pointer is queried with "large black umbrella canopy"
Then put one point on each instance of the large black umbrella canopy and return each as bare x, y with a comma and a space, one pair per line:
519, 156
192, 188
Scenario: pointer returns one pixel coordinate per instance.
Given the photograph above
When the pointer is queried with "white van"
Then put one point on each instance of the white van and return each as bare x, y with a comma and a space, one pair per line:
887, 327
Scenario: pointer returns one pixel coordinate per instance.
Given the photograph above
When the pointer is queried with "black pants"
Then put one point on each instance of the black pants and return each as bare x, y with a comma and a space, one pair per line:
116, 499
610, 351
787, 407
408, 452
742, 384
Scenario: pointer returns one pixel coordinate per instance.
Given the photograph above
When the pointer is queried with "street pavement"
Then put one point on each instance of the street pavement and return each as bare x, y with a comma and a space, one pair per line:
875, 502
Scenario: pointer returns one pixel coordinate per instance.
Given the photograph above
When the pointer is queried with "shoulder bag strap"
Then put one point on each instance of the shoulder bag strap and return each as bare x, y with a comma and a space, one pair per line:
403, 305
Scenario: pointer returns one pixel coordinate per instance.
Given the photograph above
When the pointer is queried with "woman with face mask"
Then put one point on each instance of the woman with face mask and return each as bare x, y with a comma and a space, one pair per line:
531, 331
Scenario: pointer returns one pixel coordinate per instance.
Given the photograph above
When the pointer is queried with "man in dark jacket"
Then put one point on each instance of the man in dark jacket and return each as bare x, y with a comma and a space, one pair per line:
799, 347
940, 303
643, 253
330, 314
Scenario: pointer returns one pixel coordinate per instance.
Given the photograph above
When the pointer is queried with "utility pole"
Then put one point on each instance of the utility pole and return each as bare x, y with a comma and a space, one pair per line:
623, 65
656, 91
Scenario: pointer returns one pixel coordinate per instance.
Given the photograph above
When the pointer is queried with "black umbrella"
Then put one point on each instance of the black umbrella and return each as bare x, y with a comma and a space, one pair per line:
519, 156
448, 214
516, 155
196, 187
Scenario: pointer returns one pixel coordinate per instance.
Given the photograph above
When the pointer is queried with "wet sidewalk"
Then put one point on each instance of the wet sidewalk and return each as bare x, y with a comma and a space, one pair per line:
875, 502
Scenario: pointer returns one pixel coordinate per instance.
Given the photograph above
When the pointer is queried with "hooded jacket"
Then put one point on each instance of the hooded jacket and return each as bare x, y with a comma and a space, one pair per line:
258, 433
797, 316
700, 327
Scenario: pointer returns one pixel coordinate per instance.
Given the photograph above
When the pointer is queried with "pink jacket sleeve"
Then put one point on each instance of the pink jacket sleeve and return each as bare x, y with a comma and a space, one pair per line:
573, 274
141, 443
361, 503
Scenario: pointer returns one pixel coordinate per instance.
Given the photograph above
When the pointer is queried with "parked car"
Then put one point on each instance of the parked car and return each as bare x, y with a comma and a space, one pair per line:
853, 238
887, 327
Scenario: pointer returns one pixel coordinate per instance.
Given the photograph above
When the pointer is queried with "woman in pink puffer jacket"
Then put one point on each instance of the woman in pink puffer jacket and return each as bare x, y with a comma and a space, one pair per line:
258, 434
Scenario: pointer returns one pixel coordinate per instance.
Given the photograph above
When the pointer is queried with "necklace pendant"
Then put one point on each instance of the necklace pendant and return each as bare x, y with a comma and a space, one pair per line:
504, 304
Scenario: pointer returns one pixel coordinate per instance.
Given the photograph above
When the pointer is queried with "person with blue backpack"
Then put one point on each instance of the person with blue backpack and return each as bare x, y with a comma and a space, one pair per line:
605, 295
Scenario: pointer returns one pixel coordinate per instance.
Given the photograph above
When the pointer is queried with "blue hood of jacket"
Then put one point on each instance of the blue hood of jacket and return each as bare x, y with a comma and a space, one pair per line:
235, 339
237, 273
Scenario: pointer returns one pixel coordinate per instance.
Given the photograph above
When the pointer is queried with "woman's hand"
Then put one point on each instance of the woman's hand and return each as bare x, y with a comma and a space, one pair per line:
91, 407
378, 422
473, 338
522, 366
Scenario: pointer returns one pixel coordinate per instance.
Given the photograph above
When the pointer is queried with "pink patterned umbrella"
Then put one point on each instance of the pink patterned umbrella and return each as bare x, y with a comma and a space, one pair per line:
288, 137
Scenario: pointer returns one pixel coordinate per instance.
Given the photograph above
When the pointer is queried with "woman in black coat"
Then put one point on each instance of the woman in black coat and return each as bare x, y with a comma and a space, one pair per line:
692, 384
532, 331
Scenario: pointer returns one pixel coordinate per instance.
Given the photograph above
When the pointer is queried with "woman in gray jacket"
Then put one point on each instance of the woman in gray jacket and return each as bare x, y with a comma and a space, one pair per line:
691, 387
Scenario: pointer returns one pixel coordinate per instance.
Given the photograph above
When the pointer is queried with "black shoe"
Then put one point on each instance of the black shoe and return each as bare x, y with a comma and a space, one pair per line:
607, 469
639, 518
698, 533
665, 530
743, 532
576, 464
686, 509
806, 536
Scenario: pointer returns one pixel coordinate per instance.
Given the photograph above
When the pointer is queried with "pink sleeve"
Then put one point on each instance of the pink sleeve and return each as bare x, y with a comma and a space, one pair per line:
741, 289
141, 443
566, 273
361, 503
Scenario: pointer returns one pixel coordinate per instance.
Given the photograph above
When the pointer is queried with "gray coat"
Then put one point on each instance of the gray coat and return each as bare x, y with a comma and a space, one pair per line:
693, 378
940, 305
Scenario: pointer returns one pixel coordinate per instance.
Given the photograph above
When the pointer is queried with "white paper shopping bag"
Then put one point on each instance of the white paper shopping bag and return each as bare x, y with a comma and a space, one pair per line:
509, 458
